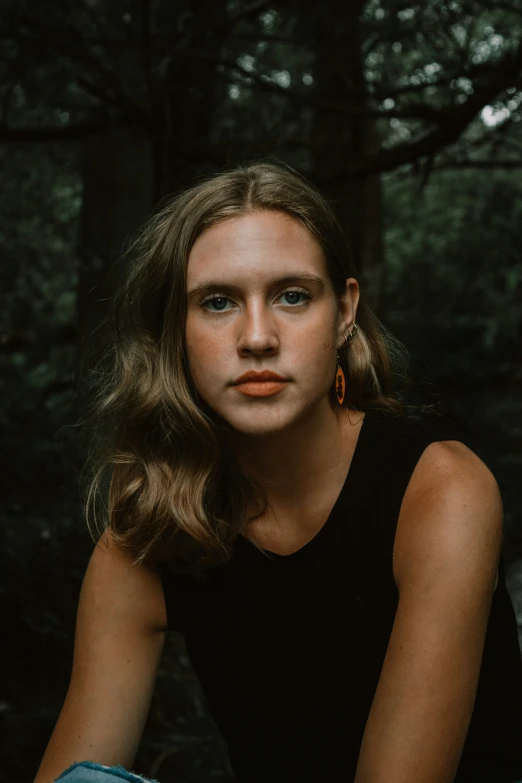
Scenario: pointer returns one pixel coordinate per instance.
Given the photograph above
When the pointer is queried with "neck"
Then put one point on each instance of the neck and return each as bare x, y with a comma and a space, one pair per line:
292, 463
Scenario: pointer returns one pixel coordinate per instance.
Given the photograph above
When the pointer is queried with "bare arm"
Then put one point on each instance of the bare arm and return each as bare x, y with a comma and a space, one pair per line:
446, 554
120, 632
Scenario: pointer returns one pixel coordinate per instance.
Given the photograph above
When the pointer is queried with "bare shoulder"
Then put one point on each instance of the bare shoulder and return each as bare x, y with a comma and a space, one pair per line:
452, 505
447, 547
449, 467
114, 579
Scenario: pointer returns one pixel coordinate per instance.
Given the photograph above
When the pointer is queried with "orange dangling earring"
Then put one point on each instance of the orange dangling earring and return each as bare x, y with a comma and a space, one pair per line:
340, 382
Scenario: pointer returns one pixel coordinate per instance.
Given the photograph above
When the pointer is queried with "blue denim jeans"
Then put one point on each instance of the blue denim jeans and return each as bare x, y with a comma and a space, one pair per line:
90, 772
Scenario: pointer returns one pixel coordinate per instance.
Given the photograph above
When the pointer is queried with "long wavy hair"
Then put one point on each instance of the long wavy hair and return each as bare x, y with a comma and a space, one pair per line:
168, 484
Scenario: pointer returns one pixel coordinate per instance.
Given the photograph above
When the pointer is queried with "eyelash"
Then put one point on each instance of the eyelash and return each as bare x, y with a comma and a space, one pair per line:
296, 290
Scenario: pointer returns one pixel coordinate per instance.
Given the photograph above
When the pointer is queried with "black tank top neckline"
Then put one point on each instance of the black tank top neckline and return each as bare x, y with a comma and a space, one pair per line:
305, 550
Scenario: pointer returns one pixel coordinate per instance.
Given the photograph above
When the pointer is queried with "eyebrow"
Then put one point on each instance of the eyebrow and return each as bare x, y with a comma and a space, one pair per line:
230, 288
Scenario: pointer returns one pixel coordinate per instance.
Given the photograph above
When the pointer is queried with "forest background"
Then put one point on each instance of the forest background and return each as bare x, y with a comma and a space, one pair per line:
407, 115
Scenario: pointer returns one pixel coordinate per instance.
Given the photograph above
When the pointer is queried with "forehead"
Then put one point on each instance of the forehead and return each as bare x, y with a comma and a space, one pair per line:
258, 243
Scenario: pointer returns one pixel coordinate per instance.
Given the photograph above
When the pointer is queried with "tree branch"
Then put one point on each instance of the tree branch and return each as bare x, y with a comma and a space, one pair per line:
450, 127
471, 73
52, 133
487, 165
108, 88
252, 9
479, 164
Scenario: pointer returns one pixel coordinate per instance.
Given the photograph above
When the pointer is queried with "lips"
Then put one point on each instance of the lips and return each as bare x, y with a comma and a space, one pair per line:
258, 377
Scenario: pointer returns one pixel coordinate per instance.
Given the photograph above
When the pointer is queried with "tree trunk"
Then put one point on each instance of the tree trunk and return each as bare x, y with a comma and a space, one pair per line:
186, 99
337, 138
117, 178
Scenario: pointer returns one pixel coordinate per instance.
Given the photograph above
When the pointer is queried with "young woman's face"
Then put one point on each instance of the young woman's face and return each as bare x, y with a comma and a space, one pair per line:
242, 316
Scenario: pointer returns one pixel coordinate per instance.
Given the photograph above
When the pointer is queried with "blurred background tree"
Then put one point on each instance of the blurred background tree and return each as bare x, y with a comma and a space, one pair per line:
406, 114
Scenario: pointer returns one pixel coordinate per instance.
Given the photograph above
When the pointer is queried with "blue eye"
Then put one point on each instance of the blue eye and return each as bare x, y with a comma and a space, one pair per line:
296, 292
214, 299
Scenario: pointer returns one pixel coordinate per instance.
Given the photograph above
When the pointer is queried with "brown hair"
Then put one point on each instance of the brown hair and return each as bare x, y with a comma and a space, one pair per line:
175, 491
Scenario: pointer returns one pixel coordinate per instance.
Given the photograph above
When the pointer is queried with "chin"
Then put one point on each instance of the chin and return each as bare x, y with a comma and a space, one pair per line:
259, 420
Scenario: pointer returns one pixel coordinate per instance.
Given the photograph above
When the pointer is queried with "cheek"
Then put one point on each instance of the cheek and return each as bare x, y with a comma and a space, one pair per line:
205, 352
321, 350
200, 340
322, 370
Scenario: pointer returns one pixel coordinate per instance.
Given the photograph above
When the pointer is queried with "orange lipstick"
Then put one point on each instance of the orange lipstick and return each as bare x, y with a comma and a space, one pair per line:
261, 388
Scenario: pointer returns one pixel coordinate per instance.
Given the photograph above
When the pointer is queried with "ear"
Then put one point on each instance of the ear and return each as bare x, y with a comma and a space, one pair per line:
347, 309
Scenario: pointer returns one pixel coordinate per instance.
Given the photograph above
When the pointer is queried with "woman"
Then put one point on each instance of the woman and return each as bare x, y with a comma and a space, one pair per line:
332, 555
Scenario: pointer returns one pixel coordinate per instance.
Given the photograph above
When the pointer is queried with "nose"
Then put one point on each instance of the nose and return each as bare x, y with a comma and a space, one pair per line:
258, 331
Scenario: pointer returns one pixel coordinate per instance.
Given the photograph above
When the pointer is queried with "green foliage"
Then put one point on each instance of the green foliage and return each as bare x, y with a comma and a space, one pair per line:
457, 247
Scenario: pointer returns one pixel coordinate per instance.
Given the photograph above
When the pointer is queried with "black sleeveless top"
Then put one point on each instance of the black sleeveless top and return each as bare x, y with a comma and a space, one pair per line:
289, 650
